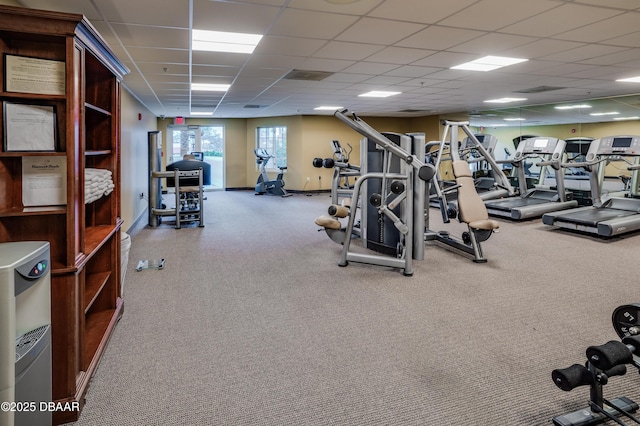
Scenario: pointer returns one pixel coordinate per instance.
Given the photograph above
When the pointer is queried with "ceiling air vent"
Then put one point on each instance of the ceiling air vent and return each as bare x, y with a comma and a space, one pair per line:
307, 75
539, 89
253, 106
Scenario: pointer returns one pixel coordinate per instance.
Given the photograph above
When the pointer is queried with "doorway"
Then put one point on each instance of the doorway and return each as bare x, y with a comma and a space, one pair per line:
209, 140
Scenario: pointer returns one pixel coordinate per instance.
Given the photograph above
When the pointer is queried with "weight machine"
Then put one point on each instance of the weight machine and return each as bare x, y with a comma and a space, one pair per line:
604, 362
401, 200
394, 203
470, 207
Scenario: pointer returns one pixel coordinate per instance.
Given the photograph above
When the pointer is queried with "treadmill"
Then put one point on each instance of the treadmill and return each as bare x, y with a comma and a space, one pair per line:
615, 215
535, 202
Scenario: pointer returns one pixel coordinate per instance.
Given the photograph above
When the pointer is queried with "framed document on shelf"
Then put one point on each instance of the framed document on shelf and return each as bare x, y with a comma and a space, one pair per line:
44, 180
24, 74
29, 127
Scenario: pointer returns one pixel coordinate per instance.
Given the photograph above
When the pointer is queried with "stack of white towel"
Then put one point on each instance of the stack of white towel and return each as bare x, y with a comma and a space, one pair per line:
97, 183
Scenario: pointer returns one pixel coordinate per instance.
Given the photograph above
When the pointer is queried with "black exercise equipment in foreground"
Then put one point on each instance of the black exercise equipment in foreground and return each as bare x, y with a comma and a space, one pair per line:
604, 362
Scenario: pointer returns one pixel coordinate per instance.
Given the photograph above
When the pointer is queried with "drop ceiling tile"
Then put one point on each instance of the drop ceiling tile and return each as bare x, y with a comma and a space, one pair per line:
542, 48
378, 31
629, 40
147, 36
493, 44
583, 53
174, 13
233, 16
275, 61
490, 15
290, 46
613, 59
620, 4
158, 55
618, 26
412, 71
346, 50
445, 59
358, 8
399, 55
370, 68
316, 24
219, 59
559, 20
332, 65
427, 12
439, 38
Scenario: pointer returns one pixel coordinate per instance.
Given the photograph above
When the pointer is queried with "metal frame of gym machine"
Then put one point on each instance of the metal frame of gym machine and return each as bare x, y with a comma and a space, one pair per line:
412, 199
502, 186
470, 242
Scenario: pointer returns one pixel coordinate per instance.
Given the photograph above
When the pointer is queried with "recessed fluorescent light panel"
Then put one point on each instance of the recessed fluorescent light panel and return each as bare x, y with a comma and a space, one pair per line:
630, 80
378, 94
598, 114
328, 108
504, 100
488, 63
626, 118
207, 87
201, 113
219, 41
514, 119
578, 106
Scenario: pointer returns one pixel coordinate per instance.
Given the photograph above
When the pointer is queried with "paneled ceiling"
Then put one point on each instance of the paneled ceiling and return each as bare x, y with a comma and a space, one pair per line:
576, 50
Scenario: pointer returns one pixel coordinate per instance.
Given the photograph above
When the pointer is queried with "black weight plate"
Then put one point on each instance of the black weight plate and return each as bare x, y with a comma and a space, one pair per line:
626, 319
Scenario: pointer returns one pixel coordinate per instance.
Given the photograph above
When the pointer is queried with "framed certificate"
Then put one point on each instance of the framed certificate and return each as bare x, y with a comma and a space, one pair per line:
29, 127
33, 75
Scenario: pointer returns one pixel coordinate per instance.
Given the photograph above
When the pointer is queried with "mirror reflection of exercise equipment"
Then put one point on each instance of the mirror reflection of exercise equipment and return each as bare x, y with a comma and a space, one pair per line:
265, 185
604, 362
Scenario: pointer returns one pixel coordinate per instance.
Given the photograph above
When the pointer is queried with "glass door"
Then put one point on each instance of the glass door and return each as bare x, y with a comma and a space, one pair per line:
207, 140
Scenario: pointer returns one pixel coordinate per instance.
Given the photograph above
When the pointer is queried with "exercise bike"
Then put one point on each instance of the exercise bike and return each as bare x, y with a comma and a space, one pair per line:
264, 185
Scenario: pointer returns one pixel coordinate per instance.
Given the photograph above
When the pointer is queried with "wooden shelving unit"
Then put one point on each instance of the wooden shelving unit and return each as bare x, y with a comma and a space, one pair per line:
85, 238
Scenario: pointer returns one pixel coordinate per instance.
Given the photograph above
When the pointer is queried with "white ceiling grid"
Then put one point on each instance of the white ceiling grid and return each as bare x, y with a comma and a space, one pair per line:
581, 46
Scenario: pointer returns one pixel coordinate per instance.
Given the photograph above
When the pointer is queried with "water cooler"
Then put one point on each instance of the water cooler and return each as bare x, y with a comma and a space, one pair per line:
25, 332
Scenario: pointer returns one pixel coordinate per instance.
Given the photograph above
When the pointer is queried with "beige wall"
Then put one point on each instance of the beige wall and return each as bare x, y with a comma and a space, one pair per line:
308, 137
134, 159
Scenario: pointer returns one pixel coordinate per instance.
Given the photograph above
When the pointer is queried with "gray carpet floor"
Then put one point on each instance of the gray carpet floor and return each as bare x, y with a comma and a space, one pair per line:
252, 322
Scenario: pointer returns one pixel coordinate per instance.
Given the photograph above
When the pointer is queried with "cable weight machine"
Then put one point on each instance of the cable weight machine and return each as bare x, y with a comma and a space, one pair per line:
401, 199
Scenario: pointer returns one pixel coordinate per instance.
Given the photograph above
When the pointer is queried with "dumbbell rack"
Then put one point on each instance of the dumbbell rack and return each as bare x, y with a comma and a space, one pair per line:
603, 362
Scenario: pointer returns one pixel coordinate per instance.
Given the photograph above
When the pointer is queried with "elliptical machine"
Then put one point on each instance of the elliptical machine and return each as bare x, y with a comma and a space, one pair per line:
264, 185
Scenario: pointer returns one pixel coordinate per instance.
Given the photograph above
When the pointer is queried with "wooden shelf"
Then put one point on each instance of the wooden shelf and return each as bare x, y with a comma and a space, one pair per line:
33, 211
94, 283
84, 238
97, 109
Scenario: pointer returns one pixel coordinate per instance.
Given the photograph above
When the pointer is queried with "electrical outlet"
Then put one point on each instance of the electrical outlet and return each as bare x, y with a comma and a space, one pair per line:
319, 178
308, 179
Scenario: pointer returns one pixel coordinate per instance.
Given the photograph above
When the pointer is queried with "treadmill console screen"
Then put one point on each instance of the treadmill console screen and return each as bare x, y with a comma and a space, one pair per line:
621, 143
540, 143
480, 138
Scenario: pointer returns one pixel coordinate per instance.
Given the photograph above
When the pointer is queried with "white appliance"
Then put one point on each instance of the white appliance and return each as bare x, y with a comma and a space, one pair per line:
25, 333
